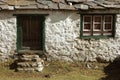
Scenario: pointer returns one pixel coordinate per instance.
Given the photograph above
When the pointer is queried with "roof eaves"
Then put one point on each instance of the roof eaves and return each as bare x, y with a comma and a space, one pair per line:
66, 7
107, 5
34, 6
93, 5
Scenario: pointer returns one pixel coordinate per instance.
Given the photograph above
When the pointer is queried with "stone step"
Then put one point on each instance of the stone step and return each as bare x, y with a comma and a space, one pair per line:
25, 69
22, 59
30, 52
29, 64
30, 69
30, 56
29, 60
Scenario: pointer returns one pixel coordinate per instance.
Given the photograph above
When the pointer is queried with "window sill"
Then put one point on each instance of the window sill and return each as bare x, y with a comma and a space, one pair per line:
96, 37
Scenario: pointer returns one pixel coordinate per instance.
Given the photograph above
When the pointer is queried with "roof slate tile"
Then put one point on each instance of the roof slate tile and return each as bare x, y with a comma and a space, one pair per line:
76, 1
53, 5
26, 7
66, 7
58, 1
59, 4
42, 6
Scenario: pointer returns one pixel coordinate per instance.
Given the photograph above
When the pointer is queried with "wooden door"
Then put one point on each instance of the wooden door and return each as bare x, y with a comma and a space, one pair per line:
32, 32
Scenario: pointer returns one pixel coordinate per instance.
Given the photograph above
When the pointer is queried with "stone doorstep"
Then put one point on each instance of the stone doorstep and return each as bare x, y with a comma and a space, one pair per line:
25, 69
29, 59
39, 69
30, 56
29, 64
30, 52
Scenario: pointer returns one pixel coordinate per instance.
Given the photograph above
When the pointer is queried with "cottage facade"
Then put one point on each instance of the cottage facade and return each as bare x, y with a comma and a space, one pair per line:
67, 30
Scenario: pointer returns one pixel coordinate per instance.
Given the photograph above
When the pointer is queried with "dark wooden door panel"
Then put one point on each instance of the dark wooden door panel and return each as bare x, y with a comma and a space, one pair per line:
32, 32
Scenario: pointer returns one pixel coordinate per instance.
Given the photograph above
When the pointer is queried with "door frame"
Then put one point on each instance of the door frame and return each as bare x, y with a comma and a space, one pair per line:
19, 30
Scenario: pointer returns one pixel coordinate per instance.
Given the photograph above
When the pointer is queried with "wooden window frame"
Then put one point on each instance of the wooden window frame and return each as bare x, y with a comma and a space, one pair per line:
108, 23
98, 33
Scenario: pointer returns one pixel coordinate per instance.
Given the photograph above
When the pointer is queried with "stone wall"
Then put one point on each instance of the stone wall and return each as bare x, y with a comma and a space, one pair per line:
63, 42
62, 31
7, 35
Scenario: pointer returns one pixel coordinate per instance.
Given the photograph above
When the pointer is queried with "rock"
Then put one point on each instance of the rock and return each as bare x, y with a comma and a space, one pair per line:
100, 59
39, 69
66, 7
88, 66
29, 62
29, 69
20, 69
30, 56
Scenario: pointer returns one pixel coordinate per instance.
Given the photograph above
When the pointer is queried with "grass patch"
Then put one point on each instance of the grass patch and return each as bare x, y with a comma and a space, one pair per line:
55, 71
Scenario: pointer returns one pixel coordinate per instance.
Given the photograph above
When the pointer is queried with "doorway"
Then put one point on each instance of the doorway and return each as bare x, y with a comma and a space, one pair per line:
30, 32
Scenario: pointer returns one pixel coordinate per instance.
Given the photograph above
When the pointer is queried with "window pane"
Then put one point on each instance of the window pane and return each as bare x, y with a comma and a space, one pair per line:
97, 18
108, 27
97, 24
97, 27
87, 18
87, 27
108, 18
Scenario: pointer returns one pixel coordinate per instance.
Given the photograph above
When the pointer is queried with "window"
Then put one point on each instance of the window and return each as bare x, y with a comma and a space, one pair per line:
97, 25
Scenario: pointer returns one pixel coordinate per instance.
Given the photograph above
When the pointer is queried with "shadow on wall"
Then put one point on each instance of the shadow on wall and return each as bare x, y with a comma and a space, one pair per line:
112, 71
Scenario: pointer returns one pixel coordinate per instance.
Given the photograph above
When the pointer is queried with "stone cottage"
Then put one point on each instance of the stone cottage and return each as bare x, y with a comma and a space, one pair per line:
85, 30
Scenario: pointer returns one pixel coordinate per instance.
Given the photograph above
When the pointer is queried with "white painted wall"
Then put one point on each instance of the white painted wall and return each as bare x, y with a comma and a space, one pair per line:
7, 35
62, 31
63, 42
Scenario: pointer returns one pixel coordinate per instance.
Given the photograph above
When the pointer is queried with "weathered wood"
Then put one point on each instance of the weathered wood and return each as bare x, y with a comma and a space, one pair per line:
32, 31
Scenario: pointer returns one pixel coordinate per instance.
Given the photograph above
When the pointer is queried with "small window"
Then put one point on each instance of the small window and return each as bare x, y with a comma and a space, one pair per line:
97, 25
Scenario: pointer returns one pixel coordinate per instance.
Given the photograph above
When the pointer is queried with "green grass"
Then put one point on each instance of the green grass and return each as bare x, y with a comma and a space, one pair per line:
55, 71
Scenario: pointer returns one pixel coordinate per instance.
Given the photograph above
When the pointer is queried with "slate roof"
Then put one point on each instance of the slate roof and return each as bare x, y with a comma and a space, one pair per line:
59, 4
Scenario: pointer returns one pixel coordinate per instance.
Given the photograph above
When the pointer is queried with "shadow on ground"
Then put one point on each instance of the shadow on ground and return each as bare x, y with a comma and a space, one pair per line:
112, 71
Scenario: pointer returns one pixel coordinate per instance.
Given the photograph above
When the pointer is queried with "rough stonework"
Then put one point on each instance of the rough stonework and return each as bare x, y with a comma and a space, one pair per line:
63, 42
29, 61
7, 35
62, 37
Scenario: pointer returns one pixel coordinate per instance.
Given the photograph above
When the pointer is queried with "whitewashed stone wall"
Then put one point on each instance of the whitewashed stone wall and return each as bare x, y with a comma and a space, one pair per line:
63, 42
62, 31
7, 35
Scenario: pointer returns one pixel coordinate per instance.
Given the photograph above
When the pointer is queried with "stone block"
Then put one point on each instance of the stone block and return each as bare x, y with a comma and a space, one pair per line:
53, 5
34, 64
29, 69
57, 1
81, 6
25, 69
29, 61
30, 56
66, 7
39, 69
42, 6
20, 69
25, 59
